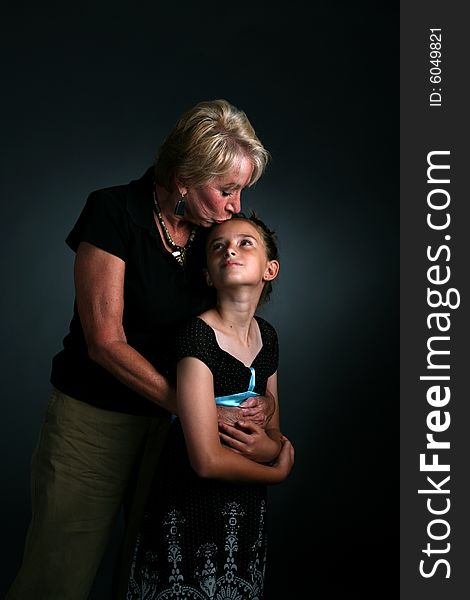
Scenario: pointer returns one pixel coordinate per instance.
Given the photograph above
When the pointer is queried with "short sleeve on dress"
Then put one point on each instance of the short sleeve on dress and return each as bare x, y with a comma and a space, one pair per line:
195, 338
103, 222
275, 351
270, 343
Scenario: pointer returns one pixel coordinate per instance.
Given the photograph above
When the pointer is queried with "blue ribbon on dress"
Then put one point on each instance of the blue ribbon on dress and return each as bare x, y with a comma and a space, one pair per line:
237, 399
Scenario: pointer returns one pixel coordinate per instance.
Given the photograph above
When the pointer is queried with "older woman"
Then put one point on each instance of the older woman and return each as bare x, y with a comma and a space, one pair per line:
137, 248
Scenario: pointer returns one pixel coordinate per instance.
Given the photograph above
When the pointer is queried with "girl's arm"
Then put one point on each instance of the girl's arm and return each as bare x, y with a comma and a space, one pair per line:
198, 414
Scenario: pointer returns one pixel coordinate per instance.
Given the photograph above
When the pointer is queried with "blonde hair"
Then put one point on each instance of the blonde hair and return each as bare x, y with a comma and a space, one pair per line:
207, 141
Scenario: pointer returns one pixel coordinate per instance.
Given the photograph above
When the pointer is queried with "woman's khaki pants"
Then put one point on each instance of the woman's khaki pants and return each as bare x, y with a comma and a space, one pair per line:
80, 474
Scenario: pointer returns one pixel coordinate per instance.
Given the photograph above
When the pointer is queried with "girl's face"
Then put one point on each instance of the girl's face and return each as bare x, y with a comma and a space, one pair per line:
219, 198
236, 256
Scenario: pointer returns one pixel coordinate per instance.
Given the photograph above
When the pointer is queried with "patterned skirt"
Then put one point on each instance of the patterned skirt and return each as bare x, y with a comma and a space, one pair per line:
199, 539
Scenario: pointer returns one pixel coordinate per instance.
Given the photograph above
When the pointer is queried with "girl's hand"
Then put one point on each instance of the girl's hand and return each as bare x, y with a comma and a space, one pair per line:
249, 439
285, 460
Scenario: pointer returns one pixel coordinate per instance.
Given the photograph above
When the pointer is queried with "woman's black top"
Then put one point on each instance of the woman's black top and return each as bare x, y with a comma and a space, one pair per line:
158, 294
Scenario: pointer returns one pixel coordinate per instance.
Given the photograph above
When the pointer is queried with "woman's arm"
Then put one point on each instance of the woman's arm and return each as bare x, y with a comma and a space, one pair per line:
99, 284
198, 414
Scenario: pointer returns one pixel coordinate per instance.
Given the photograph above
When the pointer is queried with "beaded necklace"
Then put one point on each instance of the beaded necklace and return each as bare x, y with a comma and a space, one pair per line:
179, 252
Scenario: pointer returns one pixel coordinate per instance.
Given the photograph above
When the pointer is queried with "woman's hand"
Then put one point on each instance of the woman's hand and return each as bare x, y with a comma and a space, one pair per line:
259, 409
251, 440
229, 414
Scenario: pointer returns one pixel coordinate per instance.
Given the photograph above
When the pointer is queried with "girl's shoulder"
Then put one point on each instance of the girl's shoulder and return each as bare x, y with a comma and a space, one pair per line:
194, 328
195, 338
268, 331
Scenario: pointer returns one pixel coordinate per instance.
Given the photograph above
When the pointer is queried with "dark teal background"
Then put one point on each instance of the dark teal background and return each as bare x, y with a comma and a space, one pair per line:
89, 91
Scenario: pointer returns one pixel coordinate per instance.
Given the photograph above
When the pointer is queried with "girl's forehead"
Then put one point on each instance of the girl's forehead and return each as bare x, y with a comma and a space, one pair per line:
234, 226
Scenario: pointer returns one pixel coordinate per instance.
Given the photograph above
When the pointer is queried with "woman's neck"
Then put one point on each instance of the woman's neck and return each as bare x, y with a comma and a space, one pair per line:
167, 202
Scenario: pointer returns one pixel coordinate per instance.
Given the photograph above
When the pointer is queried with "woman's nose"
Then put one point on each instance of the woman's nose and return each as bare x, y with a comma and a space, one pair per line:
235, 204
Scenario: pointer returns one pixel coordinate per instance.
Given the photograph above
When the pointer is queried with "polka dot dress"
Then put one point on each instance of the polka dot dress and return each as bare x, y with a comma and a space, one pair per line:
201, 538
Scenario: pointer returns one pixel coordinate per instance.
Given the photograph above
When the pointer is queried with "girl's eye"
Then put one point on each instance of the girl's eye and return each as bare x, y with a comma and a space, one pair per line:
217, 246
246, 243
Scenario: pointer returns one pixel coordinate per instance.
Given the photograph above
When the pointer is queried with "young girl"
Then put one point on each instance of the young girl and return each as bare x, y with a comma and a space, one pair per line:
204, 531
